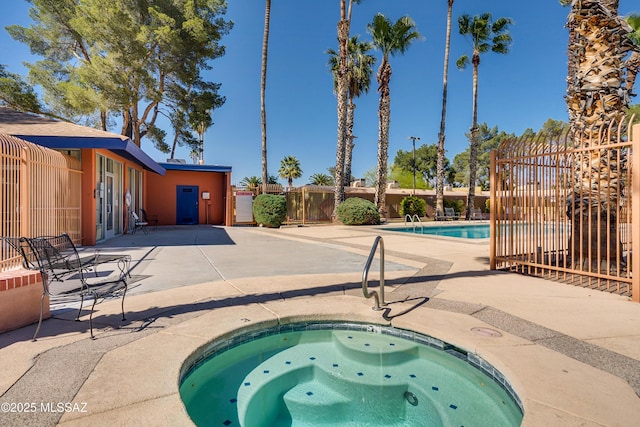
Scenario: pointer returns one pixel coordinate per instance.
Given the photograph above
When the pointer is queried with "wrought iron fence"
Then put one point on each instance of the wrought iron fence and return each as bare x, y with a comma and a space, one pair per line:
563, 210
40, 194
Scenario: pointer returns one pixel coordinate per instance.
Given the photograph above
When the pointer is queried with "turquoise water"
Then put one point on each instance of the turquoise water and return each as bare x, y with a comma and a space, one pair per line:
479, 231
329, 377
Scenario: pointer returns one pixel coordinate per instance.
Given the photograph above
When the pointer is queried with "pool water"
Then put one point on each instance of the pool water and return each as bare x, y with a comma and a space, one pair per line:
478, 231
346, 377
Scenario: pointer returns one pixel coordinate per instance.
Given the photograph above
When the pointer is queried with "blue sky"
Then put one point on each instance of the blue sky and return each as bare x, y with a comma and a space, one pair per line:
516, 91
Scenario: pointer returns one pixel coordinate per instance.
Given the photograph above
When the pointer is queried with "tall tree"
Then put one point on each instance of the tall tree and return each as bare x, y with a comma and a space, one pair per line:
263, 88
440, 173
391, 39
426, 163
290, 169
359, 71
200, 114
106, 57
17, 94
251, 182
485, 35
489, 139
596, 98
191, 109
344, 27
554, 128
321, 179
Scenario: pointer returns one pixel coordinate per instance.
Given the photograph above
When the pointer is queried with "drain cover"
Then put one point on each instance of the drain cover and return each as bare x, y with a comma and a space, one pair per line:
486, 332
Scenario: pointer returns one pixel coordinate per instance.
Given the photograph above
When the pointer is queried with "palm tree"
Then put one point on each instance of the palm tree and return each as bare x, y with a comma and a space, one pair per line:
484, 35
391, 39
320, 179
344, 26
251, 182
359, 72
290, 169
596, 97
263, 86
440, 162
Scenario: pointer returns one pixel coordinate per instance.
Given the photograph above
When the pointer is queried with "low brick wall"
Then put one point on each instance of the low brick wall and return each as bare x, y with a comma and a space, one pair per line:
20, 296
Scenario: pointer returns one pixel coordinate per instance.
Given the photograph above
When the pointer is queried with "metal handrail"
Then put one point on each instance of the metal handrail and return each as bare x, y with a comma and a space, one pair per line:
413, 223
379, 300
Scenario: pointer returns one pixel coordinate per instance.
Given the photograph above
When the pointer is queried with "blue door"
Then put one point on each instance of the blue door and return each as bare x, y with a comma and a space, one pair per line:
187, 204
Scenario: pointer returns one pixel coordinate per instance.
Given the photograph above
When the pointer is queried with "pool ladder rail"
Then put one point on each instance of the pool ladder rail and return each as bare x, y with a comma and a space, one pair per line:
415, 219
379, 299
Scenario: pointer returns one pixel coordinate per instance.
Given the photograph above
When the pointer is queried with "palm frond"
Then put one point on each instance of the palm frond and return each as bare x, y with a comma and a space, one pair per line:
462, 62
634, 22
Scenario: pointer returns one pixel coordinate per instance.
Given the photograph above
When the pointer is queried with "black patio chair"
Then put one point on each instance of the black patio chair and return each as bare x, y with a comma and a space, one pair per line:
68, 277
149, 219
136, 223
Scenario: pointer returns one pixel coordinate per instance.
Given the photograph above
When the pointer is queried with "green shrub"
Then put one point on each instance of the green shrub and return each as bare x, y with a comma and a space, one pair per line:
270, 210
357, 211
413, 205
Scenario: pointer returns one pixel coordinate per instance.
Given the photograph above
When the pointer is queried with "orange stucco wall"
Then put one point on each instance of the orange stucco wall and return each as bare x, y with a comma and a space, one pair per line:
89, 185
160, 195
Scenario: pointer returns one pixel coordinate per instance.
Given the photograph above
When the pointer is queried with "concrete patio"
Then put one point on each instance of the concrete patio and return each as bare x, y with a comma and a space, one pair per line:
572, 354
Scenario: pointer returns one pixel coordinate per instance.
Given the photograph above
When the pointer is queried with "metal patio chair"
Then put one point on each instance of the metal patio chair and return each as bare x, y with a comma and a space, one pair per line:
135, 223
450, 214
68, 277
149, 219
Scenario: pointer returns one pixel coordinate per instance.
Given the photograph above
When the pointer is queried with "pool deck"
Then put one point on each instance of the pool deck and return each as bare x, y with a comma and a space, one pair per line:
572, 354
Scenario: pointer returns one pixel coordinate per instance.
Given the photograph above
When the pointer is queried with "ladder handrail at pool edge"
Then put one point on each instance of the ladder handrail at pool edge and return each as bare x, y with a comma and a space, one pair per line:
379, 300
411, 218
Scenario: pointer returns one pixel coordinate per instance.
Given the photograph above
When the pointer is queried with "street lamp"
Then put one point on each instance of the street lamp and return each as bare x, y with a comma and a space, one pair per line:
414, 139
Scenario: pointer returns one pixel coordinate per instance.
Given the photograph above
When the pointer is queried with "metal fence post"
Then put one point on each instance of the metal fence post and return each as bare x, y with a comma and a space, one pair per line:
635, 211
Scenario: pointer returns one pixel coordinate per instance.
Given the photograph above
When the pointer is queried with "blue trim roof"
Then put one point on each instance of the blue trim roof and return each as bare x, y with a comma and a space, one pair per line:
195, 168
122, 147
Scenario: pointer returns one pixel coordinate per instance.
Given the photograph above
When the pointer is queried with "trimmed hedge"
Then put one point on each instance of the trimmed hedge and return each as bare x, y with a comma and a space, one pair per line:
358, 211
269, 210
412, 205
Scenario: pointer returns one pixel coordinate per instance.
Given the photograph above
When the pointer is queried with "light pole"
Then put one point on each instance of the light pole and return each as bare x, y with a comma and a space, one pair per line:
414, 139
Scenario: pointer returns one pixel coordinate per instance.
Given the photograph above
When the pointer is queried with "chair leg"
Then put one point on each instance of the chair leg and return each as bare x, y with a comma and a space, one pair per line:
123, 295
95, 298
39, 321
80, 309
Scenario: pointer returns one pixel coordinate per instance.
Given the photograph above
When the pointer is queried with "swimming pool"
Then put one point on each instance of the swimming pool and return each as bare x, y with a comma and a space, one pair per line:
348, 375
476, 231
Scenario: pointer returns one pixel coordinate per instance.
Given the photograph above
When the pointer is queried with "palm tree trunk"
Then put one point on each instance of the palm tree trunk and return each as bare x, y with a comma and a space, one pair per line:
341, 90
595, 99
473, 147
384, 118
441, 135
348, 154
263, 87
